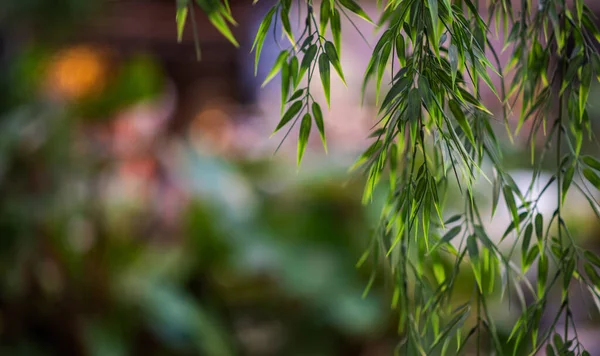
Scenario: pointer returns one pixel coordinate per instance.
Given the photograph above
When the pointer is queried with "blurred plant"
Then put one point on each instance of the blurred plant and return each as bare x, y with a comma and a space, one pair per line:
434, 132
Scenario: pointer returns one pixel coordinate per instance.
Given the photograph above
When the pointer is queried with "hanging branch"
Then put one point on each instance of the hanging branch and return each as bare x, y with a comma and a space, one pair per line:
434, 133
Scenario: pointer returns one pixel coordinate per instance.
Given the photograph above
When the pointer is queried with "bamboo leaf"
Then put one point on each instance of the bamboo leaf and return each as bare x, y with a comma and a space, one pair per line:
401, 49
433, 12
305, 126
462, 120
287, 26
452, 233
219, 23
525, 243
355, 8
318, 115
291, 112
336, 30
568, 178
297, 94
324, 15
381, 65
584, 91
334, 59
307, 60
180, 17
512, 206
294, 68
281, 59
590, 271
592, 162
592, 177
539, 226
592, 257
324, 73
286, 82
453, 58
259, 39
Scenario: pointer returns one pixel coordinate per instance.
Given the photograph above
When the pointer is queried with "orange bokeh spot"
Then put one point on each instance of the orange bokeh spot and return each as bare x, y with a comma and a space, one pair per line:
77, 72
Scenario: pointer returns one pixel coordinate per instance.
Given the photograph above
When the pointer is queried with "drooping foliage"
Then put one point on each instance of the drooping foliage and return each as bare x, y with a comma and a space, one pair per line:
434, 133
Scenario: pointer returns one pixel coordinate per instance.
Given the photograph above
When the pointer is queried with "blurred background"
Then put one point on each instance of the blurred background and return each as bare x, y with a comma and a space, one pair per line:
143, 210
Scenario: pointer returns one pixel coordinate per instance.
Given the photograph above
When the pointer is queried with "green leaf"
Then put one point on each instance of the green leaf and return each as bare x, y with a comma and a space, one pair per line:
584, 91
567, 182
294, 68
180, 17
287, 26
433, 11
542, 275
558, 341
318, 114
286, 80
291, 112
539, 226
324, 73
401, 49
447, 237
512, 206
592, 274
531, 256
381, 65
453, 58
305, 126
414, 104
398, 88
497, 186
259, 39
336, 30
592, 177
473, 251
450, 328
393, 166
354, 7
525, 243
334, 59
568, 276
281, 59
592, 257
592, 162
462, 120
453, 219
217, 20
298, 93
324, 15
307, 60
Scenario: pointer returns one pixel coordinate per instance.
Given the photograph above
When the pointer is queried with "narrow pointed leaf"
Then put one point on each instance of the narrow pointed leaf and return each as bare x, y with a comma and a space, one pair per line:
324, 72
305, 126
307, 60
354, 7
318, 115
592, 162
324, 15
592, 177
334, 59
336, 30
462, 120
281, 59
259, 39
217, 20
291, 112
180, 17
